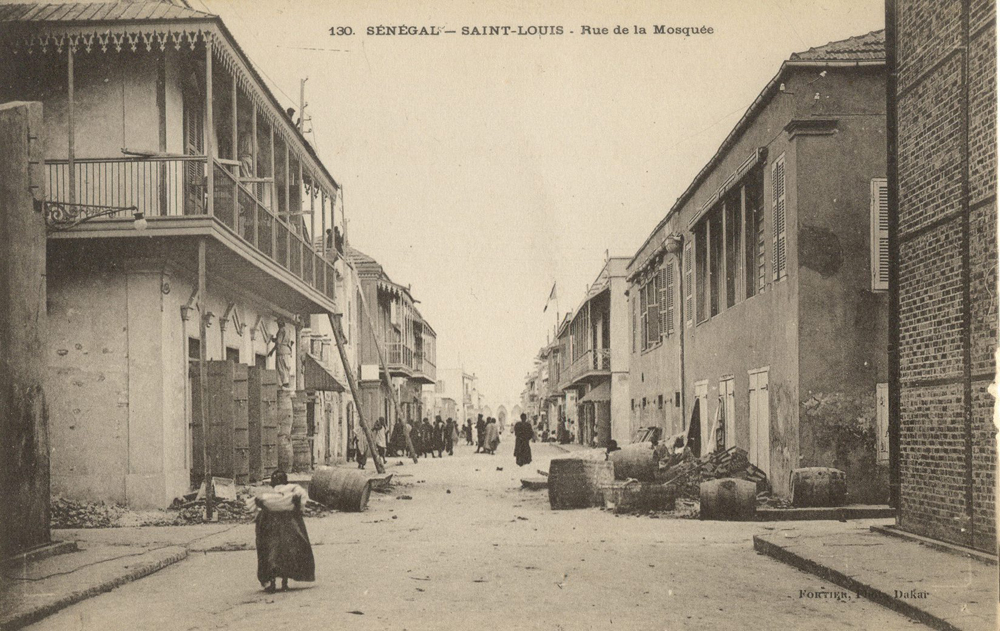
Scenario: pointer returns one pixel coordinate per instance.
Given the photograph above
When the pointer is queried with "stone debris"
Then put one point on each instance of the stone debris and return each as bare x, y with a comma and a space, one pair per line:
685, 472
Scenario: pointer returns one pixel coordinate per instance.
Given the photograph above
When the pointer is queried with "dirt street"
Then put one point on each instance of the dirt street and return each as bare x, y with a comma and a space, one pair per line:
471, 550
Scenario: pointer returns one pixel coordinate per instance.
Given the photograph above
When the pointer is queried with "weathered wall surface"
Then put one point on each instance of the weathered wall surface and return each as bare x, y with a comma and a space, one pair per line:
843, 324
24, 447
947, 268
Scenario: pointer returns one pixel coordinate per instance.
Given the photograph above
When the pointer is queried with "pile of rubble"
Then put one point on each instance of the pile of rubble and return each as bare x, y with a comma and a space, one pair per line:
685, 472
70, 514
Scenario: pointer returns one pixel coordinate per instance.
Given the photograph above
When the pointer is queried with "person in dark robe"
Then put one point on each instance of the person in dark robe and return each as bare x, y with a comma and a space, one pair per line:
523, 435
439, 436
397, 441
427, 437
283, 548
480, 433
467, 428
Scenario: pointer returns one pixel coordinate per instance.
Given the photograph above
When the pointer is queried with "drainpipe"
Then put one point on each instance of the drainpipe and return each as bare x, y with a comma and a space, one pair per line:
675, 245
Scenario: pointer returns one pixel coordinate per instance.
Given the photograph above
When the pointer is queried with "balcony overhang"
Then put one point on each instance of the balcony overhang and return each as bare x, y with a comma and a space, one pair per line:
176, 239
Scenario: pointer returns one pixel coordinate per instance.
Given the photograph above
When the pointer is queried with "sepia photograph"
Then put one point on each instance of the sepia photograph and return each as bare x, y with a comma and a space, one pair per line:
508, 314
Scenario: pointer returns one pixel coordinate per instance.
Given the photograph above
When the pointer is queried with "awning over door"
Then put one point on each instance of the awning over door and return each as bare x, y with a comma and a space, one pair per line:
599, 393
317, 377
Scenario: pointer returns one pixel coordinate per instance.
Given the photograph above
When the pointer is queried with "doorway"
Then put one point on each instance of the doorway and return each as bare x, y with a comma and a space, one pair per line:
760, 421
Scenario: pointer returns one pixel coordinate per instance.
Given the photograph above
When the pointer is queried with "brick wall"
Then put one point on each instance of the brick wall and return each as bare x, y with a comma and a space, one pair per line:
946, 267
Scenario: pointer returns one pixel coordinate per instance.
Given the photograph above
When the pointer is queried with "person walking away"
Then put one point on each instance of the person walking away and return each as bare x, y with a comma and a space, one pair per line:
480, 433
361, 449
380, 442
414, 429
492, 436
523, 435
283, 548
427, 437
467, 429
439, 436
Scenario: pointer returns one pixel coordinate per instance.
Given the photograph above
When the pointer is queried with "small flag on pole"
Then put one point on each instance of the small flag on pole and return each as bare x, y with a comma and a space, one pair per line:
552, 296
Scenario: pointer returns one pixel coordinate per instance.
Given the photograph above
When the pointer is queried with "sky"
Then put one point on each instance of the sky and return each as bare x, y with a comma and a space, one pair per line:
481, 170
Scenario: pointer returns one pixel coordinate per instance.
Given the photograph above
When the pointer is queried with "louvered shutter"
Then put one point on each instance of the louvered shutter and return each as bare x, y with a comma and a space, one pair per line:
778, 253
688, 295
643, 301
880, 234
635, 330
668, 292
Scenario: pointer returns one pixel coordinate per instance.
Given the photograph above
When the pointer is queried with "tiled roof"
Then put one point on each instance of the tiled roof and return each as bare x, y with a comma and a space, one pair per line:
868, 47
98, 11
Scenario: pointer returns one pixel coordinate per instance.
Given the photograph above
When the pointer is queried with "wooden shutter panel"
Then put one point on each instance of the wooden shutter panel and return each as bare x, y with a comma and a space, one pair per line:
688, 293
662, 298
880, 234
668, 291
643, 301
778, 217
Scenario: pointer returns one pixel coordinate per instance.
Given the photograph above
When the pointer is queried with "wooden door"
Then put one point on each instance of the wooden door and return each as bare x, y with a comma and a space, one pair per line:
705, 421
727, 394
760, 422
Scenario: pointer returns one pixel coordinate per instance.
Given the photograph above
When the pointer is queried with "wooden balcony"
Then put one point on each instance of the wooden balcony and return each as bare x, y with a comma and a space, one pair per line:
400, 359
250, 239
590, 367
424, 369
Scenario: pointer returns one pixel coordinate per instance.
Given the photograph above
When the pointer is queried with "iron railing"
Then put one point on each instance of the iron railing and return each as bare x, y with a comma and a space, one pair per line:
176, 186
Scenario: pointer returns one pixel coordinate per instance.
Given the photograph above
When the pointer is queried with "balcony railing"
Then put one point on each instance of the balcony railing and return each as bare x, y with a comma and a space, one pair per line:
593, 360
398, 355
175, 186
423, 364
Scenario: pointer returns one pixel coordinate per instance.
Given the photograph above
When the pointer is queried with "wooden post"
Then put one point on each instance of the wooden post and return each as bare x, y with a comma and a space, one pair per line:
385, 367
71, 124
338, 335
203, 379
236, 157
322, 227
256, 172
209, 125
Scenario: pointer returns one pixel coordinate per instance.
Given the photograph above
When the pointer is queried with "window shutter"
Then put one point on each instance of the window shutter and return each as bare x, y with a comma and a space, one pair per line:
880, 234
662, 272
668, 292
643, 300
778, 216
635, 332
688, 295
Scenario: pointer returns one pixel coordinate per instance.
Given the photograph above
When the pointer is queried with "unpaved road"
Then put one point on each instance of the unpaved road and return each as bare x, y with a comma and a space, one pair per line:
486, 555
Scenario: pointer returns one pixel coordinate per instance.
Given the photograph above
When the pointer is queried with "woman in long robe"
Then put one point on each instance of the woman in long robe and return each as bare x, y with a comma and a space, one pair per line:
283, 548
522, 441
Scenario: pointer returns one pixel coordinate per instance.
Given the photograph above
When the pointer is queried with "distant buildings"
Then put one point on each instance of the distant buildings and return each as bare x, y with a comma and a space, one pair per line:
760, 299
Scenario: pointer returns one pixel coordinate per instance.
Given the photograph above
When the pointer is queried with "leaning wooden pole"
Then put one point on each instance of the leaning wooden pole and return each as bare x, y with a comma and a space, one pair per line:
385, 368
338, 335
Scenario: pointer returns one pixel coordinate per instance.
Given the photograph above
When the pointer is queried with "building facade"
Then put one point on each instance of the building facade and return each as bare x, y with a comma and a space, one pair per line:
942, 234
177, 191
390, 329
595, 358
760, 299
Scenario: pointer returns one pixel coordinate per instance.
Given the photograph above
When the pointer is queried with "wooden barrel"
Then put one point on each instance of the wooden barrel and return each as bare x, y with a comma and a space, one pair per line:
576, 483
728, 499
284, 412
301, 454
343, 489
634, 462
818, 486
299, 424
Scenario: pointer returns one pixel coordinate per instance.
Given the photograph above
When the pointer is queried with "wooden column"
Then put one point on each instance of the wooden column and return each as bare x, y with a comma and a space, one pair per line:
236, 156
256, 172
209, 126
322, 227
742, 267
203, 377
71, 124
338, 335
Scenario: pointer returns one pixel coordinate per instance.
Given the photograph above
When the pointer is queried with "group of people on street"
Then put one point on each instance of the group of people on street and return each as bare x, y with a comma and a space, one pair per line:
439, 437
487, 435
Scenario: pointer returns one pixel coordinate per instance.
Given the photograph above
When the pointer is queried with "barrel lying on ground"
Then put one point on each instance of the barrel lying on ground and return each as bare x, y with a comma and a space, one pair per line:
818, 486
728, 499
576, 482
343, 489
